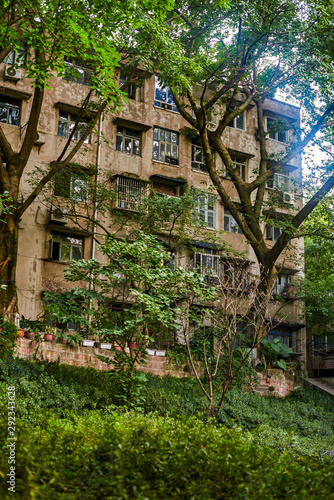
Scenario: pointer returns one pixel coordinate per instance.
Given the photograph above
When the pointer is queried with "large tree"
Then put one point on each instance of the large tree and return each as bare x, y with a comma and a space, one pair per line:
54, 33
238, 55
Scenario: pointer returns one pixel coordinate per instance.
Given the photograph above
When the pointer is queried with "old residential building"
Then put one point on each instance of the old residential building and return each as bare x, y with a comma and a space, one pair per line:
145, 144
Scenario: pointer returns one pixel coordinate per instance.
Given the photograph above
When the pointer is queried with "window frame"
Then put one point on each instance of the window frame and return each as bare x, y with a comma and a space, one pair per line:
234, 123
273, 232
208, 254
283, 290
197, 165
17, 57
228, 216
11, 107
241, 165
167, 103
206, 200
71, 194
275, 135
80, 67
173, 160
135, 90
65, 244
280, 181
276, 334
70, 121
124, 197
123, 132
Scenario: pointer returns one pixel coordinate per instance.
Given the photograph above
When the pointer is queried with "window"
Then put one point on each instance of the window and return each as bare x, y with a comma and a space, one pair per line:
129, 193
70, 186
66, 247
162, 97
128, 141
197, 155
322, 344
273, 232
239, 122
77, 72
240, 165
17, 56
285, 337
230, 224
134, 90
235, 276
282, 282
165, 145
9, 110
208, 262
280, 181
206, 208
273, 126
66, 124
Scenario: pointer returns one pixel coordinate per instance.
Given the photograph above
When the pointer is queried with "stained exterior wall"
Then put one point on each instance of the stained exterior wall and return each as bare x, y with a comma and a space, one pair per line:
34, 263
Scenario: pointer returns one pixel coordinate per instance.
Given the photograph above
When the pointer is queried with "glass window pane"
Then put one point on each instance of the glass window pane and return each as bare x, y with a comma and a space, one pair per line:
127, 145
62, 128
162, 151
156, 134
155, 150
65, 252
76, 253
119, 143
167, 135
136, 149
240, 123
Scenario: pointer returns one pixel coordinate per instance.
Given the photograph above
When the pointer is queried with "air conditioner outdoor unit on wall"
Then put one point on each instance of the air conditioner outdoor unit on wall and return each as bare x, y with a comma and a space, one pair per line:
288, 198
39, 139
13, 74
59, 215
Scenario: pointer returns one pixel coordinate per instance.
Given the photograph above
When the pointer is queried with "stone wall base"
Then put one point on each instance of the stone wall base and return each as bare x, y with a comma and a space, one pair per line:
86, 356
275, 382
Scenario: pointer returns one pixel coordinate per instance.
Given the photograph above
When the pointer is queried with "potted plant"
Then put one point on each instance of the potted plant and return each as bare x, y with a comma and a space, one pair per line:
29, 334
49, 333
20, 334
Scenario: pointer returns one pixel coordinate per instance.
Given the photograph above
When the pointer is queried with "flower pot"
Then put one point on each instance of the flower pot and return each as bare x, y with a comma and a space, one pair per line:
48, 337
29, 335
117, 347
20, 333
88, 343
151, 352
105, 345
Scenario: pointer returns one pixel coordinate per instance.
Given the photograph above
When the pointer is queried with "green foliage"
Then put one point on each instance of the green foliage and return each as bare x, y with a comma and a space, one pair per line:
112, 454
274, 350
8, 338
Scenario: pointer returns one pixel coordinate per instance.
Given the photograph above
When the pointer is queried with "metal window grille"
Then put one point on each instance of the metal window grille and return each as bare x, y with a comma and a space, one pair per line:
130, 193
208, 264
9, 110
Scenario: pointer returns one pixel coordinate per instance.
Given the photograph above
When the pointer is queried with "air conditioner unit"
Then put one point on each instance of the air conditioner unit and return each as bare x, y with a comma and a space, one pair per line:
288, 198
59, 215
13, 74
39, 138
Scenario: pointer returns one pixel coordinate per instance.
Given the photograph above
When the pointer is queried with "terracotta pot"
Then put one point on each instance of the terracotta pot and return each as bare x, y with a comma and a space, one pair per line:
117, 347
29, 335
20, 333
48, 337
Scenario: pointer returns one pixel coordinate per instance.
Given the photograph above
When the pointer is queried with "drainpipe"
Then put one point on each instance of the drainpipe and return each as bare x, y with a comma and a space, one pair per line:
97, 176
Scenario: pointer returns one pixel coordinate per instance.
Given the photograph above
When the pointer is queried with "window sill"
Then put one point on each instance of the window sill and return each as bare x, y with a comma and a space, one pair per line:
276, 140
62, 262
127, 154
165, 163
199, 171
169, 110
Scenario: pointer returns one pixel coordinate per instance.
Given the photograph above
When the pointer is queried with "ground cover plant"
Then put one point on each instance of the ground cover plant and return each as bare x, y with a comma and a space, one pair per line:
74, 438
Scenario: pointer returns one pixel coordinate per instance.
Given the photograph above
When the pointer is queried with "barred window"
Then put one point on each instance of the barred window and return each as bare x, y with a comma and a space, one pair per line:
66, 124
128, 141
66, 247
9, 110
130, 193
165, 145
207, 262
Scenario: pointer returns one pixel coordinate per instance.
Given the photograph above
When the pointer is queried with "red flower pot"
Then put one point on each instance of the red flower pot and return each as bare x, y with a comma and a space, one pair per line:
20, 333
29, 335
48, 337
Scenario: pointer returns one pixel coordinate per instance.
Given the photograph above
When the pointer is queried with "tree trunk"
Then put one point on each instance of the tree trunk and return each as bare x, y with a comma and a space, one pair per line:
8, 261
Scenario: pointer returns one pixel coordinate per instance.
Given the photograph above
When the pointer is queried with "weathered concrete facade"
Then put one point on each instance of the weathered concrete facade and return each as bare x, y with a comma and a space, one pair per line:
38, 262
